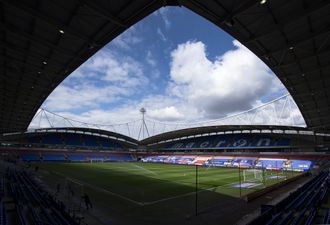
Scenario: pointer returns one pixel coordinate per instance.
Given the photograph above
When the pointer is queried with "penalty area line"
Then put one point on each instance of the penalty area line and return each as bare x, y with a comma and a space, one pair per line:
190, 193
184, 195
102, 189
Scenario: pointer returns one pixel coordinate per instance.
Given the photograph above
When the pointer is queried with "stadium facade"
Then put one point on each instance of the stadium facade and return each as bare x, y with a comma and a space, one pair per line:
217, 140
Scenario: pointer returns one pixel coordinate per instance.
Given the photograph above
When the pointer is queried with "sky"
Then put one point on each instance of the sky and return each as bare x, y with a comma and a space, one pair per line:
174, 63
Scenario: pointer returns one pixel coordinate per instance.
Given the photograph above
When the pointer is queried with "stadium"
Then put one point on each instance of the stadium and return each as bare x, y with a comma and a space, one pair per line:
204, 174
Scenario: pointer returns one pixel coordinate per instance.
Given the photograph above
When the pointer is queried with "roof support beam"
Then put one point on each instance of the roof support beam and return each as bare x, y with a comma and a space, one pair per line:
312, 55
10, 59
11, 28
283, 24
105, 14
21, 50
37, 14
297, 42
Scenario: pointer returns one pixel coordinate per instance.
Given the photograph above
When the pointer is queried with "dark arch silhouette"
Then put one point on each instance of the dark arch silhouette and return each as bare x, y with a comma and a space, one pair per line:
42, 42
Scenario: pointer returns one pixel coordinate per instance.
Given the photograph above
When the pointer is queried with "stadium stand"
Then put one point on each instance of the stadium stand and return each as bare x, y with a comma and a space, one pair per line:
326, 218
33, 204
3, 220
2, 187
30, 157
53, 157
216, 161
68, 140
271, 163
51, 139
299, 207
225, 161
276, 31
120, 158
74, 157
67, 156
91, 141
230, 141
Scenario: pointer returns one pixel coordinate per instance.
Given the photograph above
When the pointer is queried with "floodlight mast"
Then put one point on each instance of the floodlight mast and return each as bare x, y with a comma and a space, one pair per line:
143, 127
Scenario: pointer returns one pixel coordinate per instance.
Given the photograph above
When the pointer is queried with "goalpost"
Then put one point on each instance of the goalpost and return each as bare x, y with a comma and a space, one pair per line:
253, 175
96, 160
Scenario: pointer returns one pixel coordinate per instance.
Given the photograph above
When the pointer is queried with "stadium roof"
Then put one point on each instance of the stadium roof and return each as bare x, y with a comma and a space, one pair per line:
42, 42
81, 130
223, 129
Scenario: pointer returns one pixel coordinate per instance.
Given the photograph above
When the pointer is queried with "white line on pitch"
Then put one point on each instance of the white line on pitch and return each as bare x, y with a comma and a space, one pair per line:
102, 189
184, 195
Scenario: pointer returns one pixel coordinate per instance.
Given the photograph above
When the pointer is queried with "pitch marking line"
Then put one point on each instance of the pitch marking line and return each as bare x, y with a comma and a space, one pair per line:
101, 189
143, 169
137, 202
186, 194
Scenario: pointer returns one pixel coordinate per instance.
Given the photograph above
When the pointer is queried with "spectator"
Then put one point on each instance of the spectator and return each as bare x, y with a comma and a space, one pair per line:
87, 201
58, 188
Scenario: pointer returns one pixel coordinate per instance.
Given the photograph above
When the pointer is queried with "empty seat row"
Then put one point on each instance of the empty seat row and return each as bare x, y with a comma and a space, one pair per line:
73, 157
2, 187
73, 140
33, 204
326, 219
3, 220
300, 207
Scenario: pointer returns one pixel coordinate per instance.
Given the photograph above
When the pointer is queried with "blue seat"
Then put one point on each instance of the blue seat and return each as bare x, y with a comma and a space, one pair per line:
30, 157
292, 210
53, 157
326, 219
21, 218
311, 217
3, 219
76, 157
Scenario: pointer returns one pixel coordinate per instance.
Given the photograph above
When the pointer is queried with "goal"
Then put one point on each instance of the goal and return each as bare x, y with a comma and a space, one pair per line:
252, 175
96, 160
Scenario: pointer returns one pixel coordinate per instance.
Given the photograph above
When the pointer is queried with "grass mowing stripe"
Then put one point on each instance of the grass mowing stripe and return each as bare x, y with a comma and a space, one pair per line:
101, 189
143, 182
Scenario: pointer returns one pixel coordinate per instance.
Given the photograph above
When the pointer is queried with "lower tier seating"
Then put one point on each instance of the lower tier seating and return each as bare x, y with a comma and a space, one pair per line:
300, 207
33, 204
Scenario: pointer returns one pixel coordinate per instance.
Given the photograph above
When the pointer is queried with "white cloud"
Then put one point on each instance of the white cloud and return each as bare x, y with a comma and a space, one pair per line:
122, 71
232, 82
113, 77
161, 34
200, 89
83, 95
127, 39
150, 59
163, 12
169, 113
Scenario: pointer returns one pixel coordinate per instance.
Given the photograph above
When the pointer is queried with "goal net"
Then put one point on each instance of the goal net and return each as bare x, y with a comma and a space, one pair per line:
96, 160
252, 175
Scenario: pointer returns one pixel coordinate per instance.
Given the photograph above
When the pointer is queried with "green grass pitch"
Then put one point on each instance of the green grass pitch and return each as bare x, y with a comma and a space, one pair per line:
152, 188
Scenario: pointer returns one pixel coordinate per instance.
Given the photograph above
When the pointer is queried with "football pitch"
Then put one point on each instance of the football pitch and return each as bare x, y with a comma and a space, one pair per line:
135, 189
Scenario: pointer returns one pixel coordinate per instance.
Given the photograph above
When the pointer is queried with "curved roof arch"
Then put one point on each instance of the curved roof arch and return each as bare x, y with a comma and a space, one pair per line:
78, 130
224, 129
42, 42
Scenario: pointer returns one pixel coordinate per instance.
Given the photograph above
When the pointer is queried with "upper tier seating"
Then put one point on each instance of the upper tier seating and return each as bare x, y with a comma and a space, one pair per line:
69, 156
230, 141
73, 139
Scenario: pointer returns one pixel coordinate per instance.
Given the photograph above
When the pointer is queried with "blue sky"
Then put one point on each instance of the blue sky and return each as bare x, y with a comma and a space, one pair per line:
177, 65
